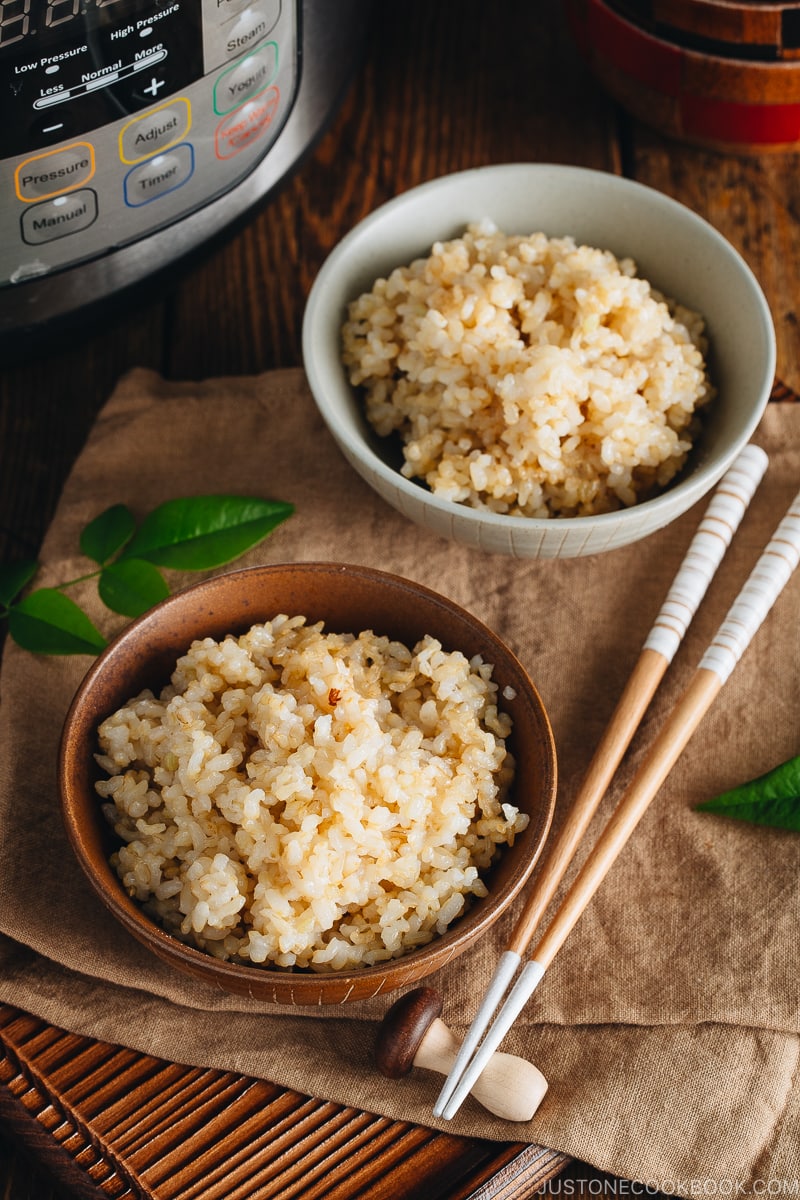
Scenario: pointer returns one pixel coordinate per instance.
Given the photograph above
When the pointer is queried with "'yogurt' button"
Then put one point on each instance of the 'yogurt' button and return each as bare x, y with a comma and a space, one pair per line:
53, 219
156, 130
159, 175
247, 78
55, 172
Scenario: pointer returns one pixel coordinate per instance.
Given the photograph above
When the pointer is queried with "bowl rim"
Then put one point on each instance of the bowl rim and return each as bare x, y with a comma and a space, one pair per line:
657, 508
259, 977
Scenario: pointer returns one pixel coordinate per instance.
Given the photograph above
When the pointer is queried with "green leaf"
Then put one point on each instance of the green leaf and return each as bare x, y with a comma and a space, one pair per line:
771, 799
131, 586
198, 533
14, 576
48, 622
108, 533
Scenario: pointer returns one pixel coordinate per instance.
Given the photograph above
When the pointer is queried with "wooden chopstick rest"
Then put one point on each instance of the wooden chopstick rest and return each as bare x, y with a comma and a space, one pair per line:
412, 1034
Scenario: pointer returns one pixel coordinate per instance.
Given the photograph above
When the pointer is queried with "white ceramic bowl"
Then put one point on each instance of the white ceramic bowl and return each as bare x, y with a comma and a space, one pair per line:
677, 251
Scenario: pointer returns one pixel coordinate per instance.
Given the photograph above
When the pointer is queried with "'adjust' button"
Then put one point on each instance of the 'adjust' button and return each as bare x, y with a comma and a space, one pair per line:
156, 130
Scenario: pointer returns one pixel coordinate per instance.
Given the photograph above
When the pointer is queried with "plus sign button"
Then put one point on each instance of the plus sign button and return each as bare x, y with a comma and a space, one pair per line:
149, 88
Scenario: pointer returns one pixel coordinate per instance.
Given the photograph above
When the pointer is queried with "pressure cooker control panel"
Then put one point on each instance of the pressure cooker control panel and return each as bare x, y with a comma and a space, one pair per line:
121, 116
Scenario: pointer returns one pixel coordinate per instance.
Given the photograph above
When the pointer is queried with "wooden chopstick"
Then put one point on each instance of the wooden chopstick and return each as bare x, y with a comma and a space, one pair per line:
699, 565
765, 583
708, 546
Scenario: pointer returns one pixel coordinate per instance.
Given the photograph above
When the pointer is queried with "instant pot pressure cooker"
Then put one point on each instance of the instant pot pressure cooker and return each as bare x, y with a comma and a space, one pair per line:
132, 132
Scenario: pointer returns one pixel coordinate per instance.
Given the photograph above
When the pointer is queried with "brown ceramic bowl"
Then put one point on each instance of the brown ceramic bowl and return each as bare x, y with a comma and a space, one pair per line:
348, 599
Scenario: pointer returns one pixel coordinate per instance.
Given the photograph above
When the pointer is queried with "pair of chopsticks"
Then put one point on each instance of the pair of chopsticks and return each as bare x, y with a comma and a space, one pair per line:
751, 606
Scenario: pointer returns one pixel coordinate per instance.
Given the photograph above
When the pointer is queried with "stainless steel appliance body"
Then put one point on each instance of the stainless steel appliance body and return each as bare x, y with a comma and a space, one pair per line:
135, 132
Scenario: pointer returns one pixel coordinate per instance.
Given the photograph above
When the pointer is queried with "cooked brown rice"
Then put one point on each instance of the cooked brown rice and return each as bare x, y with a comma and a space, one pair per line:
529, 375
310, 799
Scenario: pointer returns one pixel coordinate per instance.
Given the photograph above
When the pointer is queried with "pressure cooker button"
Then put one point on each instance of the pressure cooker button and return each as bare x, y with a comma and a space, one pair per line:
240, 128
156, 130
53, 219
246, 79
226, 10
54, 172
236, 34
223, 10
253, 25
159, 175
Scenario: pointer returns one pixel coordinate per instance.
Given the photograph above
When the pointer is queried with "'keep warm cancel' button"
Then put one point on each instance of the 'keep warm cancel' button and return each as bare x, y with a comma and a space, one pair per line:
245, 124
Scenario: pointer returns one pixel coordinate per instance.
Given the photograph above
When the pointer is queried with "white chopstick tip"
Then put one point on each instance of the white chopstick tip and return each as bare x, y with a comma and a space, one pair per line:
527, 982
504, 972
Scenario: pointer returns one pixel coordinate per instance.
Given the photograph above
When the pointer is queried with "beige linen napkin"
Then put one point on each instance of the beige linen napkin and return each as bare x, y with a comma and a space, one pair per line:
668, 1025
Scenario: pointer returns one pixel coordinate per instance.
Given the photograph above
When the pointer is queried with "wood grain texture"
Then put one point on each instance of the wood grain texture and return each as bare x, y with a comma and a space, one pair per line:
443, 86
112, 1123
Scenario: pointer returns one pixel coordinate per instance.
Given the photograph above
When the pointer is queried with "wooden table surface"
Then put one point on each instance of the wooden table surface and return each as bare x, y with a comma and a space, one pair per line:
443, 86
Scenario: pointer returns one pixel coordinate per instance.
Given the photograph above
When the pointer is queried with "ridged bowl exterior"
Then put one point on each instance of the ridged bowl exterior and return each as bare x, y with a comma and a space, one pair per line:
349, 599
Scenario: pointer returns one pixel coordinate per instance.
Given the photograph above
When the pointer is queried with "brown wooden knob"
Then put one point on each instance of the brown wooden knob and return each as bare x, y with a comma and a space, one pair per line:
403, 1029
412, 1035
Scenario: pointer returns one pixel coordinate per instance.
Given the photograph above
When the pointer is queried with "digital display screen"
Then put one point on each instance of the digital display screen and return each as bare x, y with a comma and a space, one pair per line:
20, 19
70, 66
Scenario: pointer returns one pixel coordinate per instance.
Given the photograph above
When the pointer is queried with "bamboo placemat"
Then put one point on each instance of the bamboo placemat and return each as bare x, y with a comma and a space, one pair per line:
109, 1122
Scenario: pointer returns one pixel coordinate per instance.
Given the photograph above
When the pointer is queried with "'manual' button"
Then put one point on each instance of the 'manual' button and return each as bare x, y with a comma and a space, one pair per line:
55, 172
159, 175
53, 219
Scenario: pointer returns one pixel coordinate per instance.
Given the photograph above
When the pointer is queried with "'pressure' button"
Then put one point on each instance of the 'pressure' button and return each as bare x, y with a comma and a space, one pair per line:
54, 172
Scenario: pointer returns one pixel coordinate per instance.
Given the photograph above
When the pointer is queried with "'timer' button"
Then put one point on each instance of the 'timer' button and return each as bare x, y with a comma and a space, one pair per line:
55, 172
159, 175
53, 219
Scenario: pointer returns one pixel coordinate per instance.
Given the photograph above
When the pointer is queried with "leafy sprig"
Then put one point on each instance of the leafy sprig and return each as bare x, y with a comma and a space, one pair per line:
771, 799
195, 533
